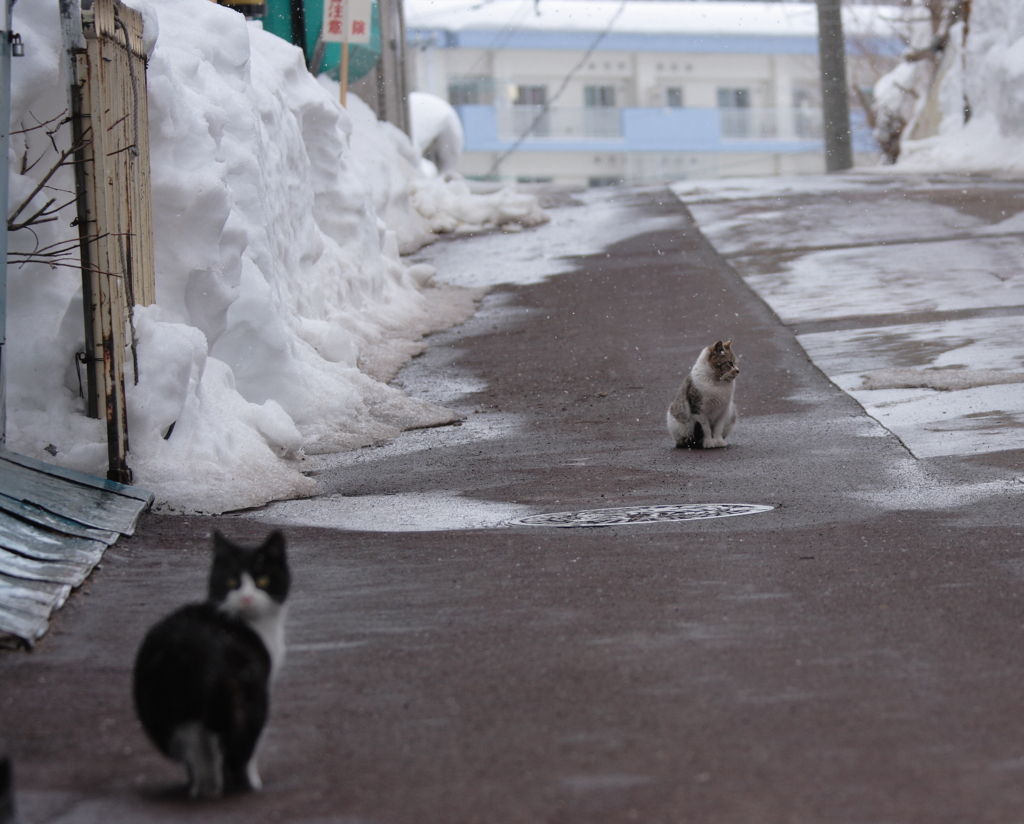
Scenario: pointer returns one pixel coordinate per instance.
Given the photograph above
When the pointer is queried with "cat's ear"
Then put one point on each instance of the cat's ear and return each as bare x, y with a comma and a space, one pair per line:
273, 547
717, 348
728, 344
223, 548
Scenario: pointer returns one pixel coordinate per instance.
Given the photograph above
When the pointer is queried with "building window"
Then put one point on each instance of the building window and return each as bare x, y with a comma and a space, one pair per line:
599, 96
807, 119
729, 98
598, 182
600, 117
674, 97
531, 95
806, 97
528, 111
734, 107
471, 91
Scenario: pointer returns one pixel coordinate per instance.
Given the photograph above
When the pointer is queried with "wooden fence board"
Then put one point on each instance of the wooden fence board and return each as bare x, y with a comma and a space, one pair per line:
115, 210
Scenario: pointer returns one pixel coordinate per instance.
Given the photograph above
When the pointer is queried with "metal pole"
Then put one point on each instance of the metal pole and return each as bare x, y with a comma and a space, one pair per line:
392, 88
834, 101
344, 75
298, 20
5, 141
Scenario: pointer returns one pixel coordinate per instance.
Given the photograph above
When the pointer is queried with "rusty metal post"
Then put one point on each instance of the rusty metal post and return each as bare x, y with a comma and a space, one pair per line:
5, 140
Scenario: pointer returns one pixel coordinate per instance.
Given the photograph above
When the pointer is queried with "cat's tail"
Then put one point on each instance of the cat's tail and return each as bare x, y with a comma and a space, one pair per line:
684, 436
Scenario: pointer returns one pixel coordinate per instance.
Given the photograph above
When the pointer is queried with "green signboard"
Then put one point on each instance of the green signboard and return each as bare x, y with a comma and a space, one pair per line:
281, 17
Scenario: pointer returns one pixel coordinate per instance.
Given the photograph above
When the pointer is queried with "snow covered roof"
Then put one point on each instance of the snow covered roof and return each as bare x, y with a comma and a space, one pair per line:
655, 17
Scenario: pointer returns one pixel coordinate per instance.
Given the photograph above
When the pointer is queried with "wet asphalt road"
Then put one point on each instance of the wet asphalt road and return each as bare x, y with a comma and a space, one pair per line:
854, 655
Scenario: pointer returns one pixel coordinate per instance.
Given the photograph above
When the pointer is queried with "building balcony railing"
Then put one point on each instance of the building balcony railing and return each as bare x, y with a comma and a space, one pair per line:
772, 124
639, 129
561, 122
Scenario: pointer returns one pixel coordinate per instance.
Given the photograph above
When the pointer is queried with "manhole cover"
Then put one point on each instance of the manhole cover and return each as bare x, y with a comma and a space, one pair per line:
624, 515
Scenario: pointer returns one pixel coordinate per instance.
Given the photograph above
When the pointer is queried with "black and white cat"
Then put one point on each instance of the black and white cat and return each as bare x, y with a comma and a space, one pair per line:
202, 674
703, 414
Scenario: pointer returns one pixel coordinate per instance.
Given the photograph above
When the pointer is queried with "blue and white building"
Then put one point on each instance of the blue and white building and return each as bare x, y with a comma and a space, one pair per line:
602, 91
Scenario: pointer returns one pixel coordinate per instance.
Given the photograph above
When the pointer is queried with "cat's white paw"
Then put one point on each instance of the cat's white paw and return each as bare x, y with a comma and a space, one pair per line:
252, 773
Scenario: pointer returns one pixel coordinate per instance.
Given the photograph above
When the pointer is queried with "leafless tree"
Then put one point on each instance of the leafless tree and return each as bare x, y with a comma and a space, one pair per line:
28, 214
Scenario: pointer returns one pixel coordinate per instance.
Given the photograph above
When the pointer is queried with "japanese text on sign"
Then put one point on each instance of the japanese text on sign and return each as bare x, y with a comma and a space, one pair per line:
346, 21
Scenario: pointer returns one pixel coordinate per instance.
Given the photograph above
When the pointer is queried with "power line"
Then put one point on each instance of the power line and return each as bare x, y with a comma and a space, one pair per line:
565, 82
505, 34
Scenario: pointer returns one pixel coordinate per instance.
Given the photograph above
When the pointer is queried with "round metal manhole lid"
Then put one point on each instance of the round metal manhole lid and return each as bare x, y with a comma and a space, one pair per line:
626, 515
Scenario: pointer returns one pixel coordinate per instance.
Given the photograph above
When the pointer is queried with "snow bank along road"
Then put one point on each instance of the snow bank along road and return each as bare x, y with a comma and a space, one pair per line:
851, 655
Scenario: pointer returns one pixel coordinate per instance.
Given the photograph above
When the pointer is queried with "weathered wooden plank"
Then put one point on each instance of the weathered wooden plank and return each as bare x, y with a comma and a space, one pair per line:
106, 17
108, 150
115, 215
92, 507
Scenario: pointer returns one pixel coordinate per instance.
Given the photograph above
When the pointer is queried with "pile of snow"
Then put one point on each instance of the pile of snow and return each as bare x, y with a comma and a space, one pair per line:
941, 380
282, 303
436, 131
986, 74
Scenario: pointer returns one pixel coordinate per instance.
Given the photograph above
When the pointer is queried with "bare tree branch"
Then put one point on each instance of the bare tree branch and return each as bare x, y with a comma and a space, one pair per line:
62, 160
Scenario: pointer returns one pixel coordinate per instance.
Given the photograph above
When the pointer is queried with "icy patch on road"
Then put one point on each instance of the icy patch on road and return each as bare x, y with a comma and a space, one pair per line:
941, 380
939, 497
747, 188
744, 228
909, 485
917, 381
967, 422
939, 345
548, 250
865, 253
404, 512
887, 280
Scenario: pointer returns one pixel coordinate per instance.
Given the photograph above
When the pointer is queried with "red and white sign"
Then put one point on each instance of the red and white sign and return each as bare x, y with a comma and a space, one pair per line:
346, 21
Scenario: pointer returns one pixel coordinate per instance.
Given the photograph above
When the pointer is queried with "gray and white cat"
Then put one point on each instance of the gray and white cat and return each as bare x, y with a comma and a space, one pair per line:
703, 414
202, 674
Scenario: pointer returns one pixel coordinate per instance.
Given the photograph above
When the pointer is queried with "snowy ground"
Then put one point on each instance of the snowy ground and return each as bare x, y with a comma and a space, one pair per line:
500, 258
907, 292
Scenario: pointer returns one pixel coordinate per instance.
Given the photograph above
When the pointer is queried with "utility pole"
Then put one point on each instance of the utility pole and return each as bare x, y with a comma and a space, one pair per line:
835, 103
385, 89
6, 39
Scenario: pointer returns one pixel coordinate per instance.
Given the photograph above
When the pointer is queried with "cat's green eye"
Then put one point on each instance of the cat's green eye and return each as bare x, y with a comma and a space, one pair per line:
232, 583
263, 581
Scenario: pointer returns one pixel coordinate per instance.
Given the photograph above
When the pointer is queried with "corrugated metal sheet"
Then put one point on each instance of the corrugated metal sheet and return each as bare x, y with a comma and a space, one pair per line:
55, 525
